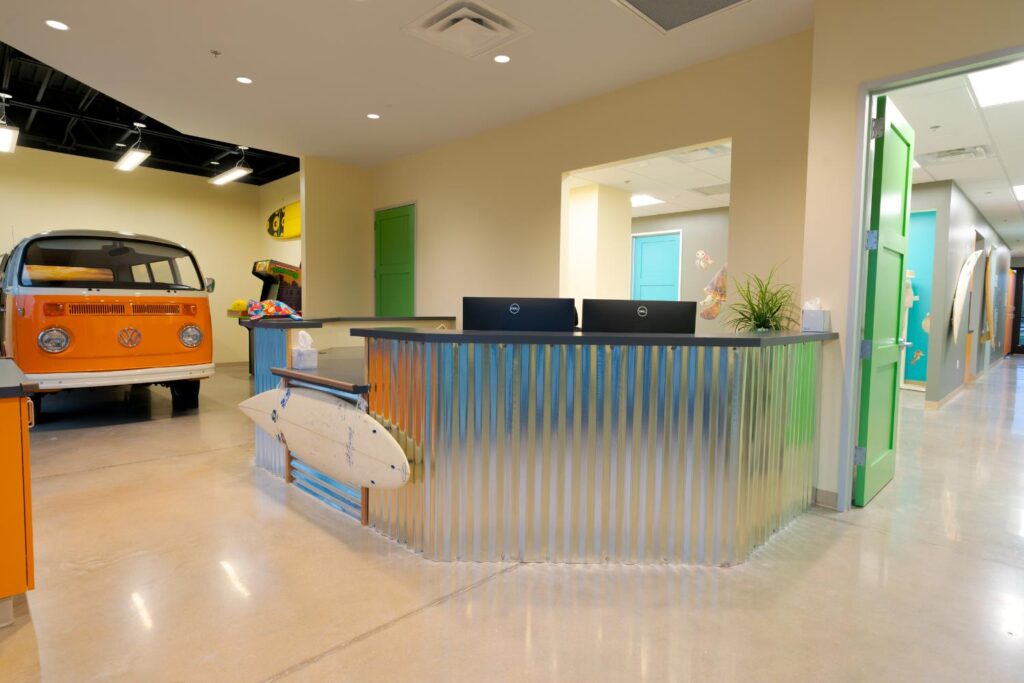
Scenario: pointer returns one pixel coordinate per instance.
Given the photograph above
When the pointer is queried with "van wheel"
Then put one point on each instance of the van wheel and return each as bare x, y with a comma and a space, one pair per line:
185, 394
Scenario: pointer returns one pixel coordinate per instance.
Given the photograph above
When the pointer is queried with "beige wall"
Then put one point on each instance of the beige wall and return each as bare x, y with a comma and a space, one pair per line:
489, 206
595, 244
858, 43
337, 239
221, 225
273, 196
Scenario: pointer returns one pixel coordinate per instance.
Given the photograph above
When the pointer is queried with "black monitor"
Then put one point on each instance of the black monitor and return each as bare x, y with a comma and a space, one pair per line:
523, 314
625, 315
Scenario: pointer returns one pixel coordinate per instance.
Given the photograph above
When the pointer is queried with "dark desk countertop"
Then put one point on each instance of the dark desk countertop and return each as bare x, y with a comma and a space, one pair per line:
12, 381
341, 368
288, 323
761, 339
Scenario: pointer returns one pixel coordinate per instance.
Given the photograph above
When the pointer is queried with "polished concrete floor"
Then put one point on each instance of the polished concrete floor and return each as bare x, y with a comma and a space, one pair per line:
162, 556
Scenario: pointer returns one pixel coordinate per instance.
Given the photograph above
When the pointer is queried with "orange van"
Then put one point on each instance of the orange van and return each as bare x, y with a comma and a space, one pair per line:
84, 308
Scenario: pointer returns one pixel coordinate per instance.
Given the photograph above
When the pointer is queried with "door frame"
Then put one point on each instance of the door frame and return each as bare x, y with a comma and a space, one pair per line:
415, 250
654, 233
867, 92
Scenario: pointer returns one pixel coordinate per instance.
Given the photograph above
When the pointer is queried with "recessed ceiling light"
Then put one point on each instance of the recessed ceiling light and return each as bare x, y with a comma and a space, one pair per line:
502, 59
1000, 85
373, 116
58, 25
244, 80
120, 144
214, 163
1018, 190
916, 165
643, 200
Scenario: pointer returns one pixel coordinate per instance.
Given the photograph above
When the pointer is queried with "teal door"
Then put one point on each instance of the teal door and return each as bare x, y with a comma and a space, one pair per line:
892, 156
394, 261
920, 262
656, 267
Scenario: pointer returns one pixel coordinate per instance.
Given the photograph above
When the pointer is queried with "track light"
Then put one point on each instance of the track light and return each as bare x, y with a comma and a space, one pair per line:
235, 172
135, 154
8, 134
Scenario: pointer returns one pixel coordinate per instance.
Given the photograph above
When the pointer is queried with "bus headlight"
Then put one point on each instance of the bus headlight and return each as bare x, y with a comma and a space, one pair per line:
191, 336
54, 339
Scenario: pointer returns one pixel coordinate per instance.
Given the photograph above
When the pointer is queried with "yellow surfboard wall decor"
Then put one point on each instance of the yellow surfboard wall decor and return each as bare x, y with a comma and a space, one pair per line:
286, 222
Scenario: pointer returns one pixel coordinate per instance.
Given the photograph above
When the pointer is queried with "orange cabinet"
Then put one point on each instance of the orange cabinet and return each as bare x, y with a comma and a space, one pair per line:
16, 571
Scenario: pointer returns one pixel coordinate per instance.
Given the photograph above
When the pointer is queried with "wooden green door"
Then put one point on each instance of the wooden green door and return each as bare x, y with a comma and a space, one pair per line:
394, 260
891, 167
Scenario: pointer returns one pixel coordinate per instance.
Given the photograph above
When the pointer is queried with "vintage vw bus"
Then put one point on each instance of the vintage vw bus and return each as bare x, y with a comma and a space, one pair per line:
85, 308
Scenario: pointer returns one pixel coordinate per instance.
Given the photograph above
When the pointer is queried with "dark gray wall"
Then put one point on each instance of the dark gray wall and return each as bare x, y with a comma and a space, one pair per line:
958, 223
706, 231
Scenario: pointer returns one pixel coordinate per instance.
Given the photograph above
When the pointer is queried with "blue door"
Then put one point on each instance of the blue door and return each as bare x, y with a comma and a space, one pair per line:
920, 261
656, 267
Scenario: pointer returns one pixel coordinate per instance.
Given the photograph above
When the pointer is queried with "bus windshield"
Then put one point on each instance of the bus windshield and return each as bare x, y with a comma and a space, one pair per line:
109, 263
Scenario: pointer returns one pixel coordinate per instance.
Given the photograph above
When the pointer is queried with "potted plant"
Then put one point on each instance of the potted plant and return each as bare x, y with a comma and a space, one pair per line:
763, 305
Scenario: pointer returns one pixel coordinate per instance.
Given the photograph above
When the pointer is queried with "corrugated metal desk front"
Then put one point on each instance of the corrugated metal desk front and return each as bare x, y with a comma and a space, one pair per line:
592, 447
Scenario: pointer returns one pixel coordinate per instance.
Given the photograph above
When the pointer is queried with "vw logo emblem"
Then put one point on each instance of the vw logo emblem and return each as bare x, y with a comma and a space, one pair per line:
129, 337
513, 309
641, 311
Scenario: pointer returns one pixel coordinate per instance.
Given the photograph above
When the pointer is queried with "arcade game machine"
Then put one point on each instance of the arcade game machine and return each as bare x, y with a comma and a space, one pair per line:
282, 282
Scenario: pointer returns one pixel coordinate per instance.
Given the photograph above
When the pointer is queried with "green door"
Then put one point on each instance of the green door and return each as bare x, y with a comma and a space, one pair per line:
394, 260
892, 159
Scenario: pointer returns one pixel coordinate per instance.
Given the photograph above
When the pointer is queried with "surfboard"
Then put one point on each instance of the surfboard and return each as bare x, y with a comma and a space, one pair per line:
963, 284
331, 435
286, 222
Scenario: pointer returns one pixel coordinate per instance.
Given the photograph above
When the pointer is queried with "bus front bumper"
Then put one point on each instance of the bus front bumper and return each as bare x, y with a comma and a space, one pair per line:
53, 381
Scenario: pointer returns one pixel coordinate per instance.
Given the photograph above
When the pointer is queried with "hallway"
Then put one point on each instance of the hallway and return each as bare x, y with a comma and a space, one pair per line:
194, 567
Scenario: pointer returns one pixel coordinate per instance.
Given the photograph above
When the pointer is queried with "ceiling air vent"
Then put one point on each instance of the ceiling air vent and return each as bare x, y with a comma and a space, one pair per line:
947, 156
671, 14
466, 28
713, 190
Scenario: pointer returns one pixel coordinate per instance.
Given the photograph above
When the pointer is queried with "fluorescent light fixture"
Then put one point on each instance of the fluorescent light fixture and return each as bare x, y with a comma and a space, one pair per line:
8, 138
57, 25
999, 85
502, 59
132, 157
638, 200
244, 80
373, 117
1018, 191
232, 174
8, 134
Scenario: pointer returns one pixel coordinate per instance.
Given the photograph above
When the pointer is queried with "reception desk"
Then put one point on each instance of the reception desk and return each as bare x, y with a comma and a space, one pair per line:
593, 447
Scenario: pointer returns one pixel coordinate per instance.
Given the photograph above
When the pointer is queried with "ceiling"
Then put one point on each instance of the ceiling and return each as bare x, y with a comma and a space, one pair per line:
58, 113
320, 66
945, 116
688, 179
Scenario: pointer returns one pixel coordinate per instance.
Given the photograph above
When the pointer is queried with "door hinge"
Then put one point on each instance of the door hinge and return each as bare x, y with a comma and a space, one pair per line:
860, 456
877, 128
865, 349
871, 244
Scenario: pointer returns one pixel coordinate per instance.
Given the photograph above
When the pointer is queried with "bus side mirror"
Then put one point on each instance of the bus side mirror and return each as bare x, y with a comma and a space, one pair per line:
211, 284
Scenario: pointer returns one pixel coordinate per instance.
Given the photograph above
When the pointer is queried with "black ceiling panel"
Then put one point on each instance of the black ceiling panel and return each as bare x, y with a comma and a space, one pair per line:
670, 14
60, 114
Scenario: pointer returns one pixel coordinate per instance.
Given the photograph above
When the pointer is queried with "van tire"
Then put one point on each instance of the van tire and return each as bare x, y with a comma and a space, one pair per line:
184, 394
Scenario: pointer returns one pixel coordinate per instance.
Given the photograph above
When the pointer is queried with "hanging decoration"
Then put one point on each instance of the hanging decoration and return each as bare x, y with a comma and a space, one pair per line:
704, 260
285, 223
711, 305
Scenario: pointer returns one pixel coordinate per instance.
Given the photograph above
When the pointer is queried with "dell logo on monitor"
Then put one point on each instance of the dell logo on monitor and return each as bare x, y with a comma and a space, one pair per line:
513, 309
641, 311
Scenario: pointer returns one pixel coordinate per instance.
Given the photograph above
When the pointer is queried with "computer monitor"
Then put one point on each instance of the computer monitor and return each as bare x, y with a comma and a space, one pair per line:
523, 314
625, 315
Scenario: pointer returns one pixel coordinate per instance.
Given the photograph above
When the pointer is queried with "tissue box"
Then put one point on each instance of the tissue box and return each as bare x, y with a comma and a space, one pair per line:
816, 321
303, 359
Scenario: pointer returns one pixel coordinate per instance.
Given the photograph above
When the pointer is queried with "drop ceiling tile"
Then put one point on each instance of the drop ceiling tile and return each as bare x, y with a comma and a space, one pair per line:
676, 174
1007, 125
983, 169
720, 167
953, 110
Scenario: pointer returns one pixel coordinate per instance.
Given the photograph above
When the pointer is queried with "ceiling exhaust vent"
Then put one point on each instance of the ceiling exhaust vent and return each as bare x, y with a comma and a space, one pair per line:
466, 28
947, 156
666, 15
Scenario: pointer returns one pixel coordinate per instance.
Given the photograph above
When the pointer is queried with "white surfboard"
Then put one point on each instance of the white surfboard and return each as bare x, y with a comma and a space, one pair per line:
331, 435
963, 283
